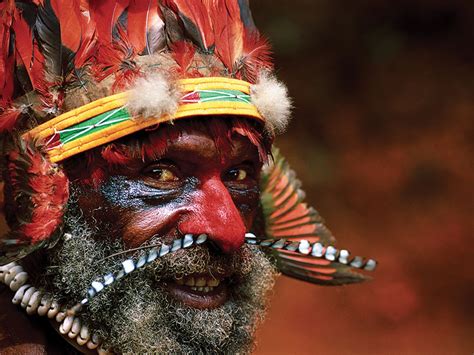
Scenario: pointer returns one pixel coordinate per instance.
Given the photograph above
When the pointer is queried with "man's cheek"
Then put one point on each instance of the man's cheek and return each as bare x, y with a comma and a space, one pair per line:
247, 202
143, 224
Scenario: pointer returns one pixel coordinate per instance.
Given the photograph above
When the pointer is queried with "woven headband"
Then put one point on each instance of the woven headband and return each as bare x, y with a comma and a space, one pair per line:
107, 119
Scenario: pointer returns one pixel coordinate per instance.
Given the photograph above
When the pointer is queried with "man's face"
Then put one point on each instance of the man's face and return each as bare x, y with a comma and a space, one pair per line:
205, 298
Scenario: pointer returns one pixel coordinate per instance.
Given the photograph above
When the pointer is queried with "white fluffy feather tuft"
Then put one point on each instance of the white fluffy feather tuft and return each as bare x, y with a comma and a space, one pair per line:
270, 96
153, 96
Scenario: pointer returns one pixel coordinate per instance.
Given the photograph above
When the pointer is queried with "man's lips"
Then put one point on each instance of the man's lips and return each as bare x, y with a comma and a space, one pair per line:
201, 291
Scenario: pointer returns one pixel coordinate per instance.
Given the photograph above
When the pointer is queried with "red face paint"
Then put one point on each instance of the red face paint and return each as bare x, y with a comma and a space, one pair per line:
196, 186
215, 214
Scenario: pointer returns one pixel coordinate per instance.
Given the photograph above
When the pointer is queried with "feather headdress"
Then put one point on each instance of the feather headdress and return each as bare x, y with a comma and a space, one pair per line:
72, 77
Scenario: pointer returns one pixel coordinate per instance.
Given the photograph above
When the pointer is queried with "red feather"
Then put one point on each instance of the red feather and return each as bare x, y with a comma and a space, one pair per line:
117, 59
137, 23
113, 155
183, 54
196, 11
105, 14
8, 118
50, 195
7, 58
256, 56
69, 17
88, 41
228, 31
46, 187
28, 54
145, 26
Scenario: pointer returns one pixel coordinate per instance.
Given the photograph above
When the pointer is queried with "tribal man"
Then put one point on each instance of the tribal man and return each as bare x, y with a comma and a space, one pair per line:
148, 211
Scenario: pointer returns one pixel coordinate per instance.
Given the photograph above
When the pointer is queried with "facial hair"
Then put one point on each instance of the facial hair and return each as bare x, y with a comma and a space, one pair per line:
137, 315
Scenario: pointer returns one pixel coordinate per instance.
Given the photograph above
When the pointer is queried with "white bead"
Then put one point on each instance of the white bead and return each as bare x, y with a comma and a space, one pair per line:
19, 294
10, 274
343, 256
4, 269
84, 335
304, 247
34, 302
370, 265
128, 266
330, 253
108, 279
201, 239
318, 250
188, 240
75, 329
44, 305
19, 280
165, 249
26, 297
66, 325
97, 286
176, 245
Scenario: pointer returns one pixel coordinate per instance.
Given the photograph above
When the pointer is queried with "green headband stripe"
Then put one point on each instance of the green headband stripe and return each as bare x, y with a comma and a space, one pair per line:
116, 116
218, 95
94, 124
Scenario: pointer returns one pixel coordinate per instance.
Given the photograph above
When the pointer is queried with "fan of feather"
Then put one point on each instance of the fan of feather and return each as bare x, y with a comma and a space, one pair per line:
296, 235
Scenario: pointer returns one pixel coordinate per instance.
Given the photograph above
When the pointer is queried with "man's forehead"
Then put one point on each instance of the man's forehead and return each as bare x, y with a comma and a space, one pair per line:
207, 138
196, 145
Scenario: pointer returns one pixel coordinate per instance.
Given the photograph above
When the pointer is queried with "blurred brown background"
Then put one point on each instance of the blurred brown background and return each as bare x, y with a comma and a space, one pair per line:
382, 138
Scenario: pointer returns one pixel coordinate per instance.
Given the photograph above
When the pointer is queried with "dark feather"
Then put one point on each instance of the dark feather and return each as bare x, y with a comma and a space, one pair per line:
58, 58
194, 20
246, 16
155, 35
228, 32
290, 223
36, 194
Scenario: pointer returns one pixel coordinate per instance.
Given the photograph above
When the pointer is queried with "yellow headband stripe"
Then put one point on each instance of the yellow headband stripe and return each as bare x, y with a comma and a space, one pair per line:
107, 119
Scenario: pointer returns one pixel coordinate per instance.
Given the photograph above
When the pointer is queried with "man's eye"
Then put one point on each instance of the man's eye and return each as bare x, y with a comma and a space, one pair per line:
162, 174
237, 175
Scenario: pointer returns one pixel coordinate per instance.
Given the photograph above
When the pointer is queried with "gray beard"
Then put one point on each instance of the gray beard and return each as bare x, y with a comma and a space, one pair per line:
136, 315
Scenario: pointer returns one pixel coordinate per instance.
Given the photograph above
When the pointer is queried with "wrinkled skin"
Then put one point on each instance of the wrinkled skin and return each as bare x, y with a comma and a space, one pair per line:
196, 186
193, 189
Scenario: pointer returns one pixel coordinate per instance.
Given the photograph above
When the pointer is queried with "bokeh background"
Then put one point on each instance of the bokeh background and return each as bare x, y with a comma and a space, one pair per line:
383, 139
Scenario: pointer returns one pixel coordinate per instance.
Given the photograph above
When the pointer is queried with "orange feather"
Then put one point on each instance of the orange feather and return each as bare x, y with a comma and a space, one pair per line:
8, 119
69, 17
183, 53
137, 23
105, 14
228, 31
197, 12
88, 41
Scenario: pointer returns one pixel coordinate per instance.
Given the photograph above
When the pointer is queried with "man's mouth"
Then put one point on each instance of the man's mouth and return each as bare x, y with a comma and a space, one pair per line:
202, 291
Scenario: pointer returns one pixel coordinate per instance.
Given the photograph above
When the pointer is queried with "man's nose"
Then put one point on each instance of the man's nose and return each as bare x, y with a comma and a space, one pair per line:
214, 213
